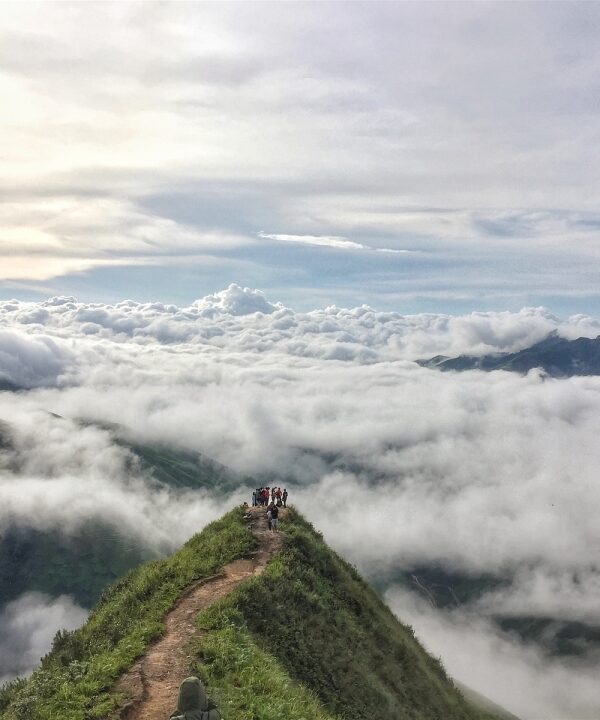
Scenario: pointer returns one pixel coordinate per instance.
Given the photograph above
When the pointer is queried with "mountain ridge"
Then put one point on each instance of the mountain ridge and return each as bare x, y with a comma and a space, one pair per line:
556, 356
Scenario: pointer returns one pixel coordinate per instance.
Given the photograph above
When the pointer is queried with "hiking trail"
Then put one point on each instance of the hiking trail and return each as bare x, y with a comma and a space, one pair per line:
152, 683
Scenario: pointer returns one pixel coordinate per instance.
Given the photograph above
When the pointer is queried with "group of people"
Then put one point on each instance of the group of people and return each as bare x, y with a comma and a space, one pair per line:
272, 498
269, 496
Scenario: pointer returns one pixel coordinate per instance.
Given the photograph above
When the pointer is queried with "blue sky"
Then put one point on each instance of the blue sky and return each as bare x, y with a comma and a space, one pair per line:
414, 156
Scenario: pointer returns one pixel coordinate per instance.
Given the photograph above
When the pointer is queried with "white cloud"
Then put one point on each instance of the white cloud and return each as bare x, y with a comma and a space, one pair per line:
518, 677
340, 243
32, 361
320, 240
27, 627
235, 301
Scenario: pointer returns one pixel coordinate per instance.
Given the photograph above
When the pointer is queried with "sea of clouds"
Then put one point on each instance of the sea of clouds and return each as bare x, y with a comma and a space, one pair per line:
395, 463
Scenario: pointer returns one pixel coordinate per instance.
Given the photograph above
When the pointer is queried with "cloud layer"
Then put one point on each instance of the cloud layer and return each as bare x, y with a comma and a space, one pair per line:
478, 472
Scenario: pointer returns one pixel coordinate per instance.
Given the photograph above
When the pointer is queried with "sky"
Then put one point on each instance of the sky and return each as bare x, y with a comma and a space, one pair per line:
418, 157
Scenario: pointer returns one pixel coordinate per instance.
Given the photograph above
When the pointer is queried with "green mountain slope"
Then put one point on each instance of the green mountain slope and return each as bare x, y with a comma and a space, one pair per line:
306, 638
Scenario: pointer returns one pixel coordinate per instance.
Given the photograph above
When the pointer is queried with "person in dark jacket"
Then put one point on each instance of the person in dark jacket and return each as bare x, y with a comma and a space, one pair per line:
193, 703
274, 517
284, 497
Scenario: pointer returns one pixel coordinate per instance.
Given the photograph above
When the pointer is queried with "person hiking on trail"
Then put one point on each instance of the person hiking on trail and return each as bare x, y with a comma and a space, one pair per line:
270, 516
272, 495
193, 704
266, 496
284, 497
274, 518
278, 493
254, 498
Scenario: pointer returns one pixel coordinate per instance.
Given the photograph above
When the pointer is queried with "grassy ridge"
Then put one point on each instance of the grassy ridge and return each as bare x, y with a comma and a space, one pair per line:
74, 679
321, 625
306, 639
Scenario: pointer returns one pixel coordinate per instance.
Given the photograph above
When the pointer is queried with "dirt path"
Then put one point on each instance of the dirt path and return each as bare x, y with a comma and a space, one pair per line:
153, 682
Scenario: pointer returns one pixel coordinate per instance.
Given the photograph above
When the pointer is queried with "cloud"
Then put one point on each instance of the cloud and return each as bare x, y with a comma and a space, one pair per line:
340, 243
320, 240
27, 628
27, 362
235, 301
76, 474
518, 677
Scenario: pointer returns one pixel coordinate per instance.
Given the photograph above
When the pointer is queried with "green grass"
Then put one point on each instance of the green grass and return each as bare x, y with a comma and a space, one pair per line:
321, 625
75, 678
245, 681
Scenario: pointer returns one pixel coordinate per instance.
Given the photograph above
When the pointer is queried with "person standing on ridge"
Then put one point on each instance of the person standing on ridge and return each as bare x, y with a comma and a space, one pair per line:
284, 497
274, 518
254, 498
270, 516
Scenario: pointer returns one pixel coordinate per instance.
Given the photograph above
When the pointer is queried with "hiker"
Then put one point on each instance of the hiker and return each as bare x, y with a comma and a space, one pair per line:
274, 518
284, 497
193, 703
272, 495
254, 498
270, 516
266, 496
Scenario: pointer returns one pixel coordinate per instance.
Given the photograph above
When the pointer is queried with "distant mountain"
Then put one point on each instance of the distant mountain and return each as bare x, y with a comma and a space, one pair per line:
555, 355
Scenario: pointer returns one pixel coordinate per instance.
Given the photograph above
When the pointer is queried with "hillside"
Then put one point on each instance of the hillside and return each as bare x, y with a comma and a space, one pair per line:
276, 626
85, 561
555, 355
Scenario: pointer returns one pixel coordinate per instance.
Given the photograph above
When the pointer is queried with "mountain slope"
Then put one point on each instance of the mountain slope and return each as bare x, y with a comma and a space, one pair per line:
305, 638
85, 561
557, 356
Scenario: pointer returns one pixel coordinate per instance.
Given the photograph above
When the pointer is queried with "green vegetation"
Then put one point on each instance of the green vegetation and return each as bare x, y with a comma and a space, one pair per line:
81, 564
180, 469
246, 682
320, 624
75, 678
